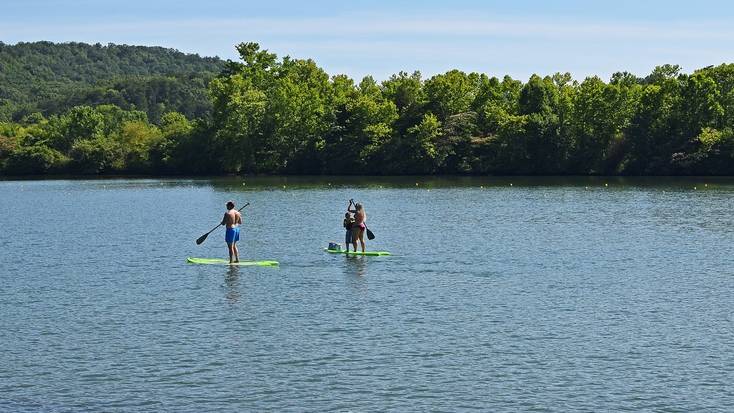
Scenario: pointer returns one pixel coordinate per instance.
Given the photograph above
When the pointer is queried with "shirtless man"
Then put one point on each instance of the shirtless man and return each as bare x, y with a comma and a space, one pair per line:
232, 220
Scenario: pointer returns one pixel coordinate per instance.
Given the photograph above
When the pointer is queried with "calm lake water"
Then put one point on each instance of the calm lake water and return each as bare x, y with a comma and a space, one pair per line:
504, 294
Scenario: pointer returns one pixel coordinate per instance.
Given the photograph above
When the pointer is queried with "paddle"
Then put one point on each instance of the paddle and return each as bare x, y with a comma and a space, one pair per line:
203, 237
370, 235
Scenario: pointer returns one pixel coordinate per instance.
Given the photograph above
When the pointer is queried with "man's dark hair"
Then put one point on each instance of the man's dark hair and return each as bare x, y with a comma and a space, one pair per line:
230, 205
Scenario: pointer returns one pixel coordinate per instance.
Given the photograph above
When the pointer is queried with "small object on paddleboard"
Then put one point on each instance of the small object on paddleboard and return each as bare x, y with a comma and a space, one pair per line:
370, 253
243, 263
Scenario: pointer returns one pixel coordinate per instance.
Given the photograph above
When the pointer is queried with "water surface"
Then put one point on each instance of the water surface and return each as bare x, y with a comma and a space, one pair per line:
504, 294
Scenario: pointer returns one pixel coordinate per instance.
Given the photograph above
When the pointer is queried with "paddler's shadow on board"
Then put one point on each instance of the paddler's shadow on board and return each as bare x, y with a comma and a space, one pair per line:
232, 283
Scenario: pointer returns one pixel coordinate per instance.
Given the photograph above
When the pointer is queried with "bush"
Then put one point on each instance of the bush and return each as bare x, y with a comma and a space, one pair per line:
34, 160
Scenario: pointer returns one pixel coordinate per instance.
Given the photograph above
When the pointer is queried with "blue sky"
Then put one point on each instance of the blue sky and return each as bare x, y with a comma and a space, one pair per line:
381, 37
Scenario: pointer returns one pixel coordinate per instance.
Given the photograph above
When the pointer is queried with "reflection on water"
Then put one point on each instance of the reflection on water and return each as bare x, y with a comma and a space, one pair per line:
355, 265
232, 283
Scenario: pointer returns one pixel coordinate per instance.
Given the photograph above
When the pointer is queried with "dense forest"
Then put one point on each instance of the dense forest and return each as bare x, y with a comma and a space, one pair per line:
263, 114
48, 78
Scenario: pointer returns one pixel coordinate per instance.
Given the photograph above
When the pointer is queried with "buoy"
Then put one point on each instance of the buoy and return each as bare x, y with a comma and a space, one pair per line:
416, 184
606, 184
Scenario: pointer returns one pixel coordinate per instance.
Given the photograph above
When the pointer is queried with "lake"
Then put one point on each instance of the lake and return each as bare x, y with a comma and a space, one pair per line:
503, 294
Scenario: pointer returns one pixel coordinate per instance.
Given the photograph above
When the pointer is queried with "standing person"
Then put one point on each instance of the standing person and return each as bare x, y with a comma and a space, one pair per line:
232, 220
360, 217
348, 223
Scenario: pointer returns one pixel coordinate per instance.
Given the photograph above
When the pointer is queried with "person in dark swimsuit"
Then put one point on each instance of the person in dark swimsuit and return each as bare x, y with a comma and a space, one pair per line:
348, 224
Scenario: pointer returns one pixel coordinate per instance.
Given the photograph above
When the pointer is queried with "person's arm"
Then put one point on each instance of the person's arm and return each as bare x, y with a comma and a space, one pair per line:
239, 218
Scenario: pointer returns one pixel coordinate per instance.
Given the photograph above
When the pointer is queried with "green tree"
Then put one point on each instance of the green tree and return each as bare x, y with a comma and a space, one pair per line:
35, 160
451, 93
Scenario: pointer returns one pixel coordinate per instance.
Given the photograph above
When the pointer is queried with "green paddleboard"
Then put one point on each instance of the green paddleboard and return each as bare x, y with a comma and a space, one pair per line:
371, 253
219, 261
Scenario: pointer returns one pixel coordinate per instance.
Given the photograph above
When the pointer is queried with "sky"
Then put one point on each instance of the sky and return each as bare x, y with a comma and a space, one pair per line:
382, 37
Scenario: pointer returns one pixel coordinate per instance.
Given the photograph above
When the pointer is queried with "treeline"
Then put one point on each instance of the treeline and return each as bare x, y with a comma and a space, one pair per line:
97, 140
271, 115
50, 78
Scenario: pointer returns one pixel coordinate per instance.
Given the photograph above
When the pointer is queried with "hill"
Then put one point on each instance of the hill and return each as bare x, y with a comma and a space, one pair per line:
51, 77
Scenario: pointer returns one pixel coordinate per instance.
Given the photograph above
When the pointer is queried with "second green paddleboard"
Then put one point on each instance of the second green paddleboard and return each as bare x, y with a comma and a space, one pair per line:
371, 253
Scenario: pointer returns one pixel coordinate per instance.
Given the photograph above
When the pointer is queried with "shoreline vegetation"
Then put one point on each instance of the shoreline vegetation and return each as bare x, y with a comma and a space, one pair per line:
93, 110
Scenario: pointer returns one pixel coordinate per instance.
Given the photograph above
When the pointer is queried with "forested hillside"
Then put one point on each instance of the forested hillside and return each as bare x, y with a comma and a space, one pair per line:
51, 78
266, 114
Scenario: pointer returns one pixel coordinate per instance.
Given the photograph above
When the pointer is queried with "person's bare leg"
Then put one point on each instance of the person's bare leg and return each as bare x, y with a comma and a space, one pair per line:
230, 248
236, 252
354, 240
361, 241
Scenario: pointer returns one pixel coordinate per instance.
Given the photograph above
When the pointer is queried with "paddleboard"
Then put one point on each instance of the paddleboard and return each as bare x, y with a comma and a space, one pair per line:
370, 253
219, 261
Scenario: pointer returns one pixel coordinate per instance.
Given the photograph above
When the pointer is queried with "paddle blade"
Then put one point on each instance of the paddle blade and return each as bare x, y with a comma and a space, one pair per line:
370, 235
201, 239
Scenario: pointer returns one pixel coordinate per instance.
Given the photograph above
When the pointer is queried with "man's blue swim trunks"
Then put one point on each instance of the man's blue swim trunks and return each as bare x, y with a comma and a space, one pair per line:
232, 235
